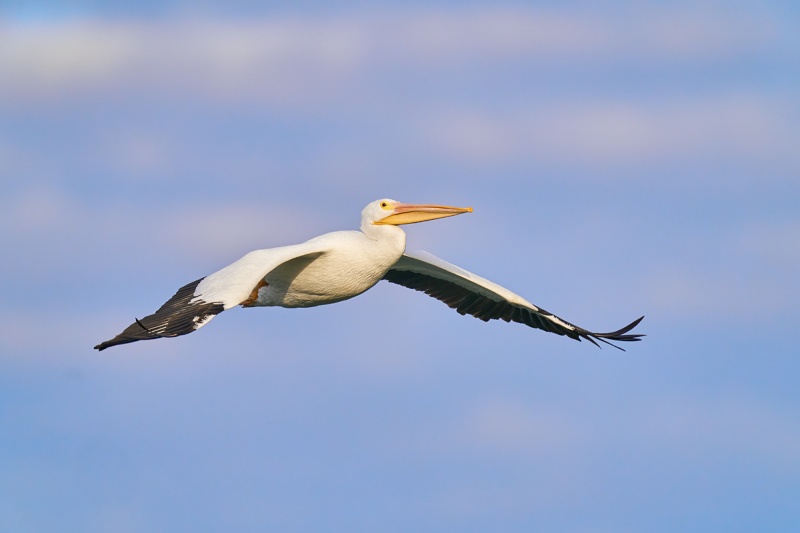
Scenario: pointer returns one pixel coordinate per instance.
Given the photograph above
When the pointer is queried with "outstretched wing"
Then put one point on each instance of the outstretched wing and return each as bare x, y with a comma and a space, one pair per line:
196, 303
181, 314
470, 294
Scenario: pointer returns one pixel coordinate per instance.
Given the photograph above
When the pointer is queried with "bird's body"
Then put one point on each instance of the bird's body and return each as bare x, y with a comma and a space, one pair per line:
340, 265
348, 263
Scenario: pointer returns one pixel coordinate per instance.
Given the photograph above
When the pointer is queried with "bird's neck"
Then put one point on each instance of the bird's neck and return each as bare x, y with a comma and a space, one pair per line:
385, 233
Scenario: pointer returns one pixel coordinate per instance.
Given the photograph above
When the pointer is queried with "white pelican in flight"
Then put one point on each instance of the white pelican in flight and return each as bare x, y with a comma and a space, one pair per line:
339, 265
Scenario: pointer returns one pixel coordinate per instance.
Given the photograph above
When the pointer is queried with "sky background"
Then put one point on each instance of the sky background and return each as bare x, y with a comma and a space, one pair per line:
622, 158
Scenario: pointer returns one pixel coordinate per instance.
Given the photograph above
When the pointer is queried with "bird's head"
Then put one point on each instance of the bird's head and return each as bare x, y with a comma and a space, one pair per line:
392, 212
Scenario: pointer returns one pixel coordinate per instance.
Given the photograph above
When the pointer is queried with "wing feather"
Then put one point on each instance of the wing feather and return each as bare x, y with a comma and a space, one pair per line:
196, 303
178, 316
470, 294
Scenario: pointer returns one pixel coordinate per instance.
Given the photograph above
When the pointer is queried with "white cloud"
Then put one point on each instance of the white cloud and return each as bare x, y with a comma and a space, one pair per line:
614, 132
64, 55
502, 426
702, 427
747, 275
227, 229
694, 427
37, 209
272, 60
305, 59
444, 36
568, 446
44, 222
711, 297
702, 32
144, 154
776, 244
502, 33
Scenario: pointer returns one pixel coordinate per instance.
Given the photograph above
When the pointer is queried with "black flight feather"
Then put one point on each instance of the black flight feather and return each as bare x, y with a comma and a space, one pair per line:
178, 316
486, 308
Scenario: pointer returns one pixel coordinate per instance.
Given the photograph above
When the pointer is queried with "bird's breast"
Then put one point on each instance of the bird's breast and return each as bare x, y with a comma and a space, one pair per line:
329, 278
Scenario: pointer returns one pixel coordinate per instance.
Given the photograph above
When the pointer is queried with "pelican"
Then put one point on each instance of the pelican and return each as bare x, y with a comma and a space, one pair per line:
343, 264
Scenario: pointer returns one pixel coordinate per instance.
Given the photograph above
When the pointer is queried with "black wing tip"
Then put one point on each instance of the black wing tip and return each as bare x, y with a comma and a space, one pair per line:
621, 335
176, 317
116, 341
113, 342
129, 335
180, 315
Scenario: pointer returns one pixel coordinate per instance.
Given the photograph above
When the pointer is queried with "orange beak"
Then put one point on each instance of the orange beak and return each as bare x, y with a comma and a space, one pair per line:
413, 213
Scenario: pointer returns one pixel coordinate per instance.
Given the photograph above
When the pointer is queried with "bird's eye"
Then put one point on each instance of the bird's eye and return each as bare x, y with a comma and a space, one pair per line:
384, 205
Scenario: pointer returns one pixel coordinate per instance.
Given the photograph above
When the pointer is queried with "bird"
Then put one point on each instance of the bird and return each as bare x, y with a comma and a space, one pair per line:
340, 265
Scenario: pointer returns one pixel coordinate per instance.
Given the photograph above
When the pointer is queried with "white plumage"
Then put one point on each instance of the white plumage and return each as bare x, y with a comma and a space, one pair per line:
339, 265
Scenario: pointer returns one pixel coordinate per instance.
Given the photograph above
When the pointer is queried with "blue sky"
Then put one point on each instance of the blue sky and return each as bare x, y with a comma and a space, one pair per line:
622, 159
